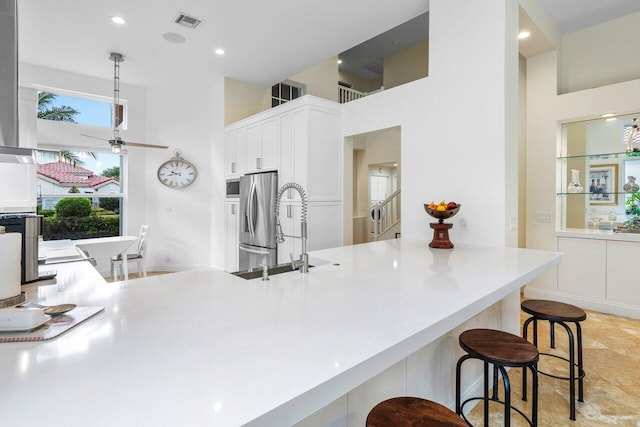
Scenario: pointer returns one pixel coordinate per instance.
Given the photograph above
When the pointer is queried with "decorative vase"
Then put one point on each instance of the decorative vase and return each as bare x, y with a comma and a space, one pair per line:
575, 186
631, 186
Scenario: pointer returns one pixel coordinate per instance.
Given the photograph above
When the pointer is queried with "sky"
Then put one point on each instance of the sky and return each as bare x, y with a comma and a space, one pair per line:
93, 113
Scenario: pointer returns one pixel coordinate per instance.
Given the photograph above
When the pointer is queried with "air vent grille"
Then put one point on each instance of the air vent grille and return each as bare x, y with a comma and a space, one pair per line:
187, 21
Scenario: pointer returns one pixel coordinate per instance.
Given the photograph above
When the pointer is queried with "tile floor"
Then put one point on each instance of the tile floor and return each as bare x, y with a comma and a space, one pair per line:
611, 347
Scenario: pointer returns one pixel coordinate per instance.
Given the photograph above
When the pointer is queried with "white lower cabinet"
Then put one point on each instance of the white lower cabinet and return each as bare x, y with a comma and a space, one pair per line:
599, 274
232, 224
623, 281
584, 268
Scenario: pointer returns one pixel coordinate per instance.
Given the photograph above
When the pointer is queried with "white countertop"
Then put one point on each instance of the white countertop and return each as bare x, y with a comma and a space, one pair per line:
590, 233
208, 348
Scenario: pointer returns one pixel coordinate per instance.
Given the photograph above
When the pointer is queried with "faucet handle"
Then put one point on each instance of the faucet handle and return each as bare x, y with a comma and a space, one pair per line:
293, 263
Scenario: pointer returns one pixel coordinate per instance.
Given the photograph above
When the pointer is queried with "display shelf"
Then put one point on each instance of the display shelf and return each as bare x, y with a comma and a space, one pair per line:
601, 155
588, 194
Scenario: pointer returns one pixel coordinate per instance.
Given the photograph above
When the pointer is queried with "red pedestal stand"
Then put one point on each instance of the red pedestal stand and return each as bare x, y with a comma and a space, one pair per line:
441, 235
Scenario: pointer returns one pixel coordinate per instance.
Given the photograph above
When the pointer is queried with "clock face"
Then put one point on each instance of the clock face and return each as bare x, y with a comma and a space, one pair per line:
177, 173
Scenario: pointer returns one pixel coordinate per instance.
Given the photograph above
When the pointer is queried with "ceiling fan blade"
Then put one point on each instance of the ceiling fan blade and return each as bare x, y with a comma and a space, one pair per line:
138, 144
94, 137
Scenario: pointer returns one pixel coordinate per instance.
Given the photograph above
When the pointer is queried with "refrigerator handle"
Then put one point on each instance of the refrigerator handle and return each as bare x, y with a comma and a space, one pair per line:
253, 251
250, 215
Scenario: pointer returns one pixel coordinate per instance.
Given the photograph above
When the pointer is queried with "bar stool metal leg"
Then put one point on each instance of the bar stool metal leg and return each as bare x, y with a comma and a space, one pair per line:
580, 367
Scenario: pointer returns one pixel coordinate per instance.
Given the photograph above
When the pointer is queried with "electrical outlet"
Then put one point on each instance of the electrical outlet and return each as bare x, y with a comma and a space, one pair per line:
543, 216
463, 223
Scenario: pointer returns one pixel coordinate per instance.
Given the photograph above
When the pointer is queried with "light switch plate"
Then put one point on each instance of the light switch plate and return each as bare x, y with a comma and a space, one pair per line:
543, 216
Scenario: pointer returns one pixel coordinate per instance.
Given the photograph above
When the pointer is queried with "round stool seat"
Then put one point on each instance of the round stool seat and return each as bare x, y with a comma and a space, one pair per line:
412, 412
499, 347
553, 310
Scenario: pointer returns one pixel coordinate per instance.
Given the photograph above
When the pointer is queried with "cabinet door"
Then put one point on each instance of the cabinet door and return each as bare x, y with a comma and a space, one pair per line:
583, 270
270, 155
253, 137
234, 152
21, 194
300, 137
622, 272
231, 153
324, 225
232, 223
290, 222
285, 171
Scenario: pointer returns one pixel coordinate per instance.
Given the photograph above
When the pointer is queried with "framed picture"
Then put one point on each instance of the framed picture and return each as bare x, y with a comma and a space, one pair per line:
603, 184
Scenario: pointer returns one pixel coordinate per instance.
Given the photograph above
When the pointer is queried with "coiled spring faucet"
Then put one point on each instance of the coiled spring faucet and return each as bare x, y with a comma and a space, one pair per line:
304, 257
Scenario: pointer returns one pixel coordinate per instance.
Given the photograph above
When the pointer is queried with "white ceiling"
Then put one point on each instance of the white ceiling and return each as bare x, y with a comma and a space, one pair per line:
282, 36
573, 15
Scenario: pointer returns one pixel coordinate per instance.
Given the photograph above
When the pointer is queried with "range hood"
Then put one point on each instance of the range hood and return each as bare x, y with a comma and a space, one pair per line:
10, 151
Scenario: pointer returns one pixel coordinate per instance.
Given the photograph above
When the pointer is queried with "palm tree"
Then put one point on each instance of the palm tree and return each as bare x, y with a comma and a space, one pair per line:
62, 113
66, 156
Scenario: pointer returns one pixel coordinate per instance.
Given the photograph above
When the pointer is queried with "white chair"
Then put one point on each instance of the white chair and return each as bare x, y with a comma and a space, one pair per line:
116, 261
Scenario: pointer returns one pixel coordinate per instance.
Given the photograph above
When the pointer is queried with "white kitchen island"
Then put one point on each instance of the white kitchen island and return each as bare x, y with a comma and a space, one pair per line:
208, 348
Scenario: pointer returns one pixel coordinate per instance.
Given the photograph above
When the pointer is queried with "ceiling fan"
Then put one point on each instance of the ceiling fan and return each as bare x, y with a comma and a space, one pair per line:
118, 112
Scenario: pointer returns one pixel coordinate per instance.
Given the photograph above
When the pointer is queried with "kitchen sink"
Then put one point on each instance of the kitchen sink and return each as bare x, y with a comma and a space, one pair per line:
276, 269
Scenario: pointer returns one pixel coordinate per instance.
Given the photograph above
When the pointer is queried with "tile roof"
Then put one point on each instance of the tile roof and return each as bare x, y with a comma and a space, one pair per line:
66, 173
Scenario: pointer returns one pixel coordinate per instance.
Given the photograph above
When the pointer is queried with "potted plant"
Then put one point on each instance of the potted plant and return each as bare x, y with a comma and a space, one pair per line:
633, 204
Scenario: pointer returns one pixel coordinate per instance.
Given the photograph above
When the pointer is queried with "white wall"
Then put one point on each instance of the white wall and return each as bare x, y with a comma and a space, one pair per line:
601, 55
184, 118
454, 130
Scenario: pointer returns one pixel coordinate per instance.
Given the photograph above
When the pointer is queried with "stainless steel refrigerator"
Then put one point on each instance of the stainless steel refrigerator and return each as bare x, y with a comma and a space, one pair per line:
258, 220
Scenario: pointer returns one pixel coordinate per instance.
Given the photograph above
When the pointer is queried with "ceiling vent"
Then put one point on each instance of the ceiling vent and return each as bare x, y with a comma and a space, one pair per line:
187, 21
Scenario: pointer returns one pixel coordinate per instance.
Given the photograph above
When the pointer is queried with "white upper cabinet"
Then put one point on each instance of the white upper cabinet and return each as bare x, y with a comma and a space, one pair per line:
270, 155
235, 152
302, 140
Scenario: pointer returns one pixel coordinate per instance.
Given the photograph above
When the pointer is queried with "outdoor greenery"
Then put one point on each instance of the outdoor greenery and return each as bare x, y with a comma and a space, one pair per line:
72, 207
81, 227
74, 218
110, 204
62, 113
112, 172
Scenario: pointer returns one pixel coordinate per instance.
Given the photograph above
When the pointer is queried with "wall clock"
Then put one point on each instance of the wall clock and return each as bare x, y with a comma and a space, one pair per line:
177, 172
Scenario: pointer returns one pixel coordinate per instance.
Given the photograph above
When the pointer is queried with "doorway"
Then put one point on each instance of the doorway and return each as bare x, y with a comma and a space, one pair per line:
372, 174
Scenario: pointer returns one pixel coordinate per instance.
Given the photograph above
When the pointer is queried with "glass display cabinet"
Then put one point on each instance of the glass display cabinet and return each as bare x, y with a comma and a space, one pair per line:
598, 163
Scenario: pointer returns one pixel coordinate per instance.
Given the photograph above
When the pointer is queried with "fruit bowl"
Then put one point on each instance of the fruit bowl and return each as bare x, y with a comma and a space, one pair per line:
441, 215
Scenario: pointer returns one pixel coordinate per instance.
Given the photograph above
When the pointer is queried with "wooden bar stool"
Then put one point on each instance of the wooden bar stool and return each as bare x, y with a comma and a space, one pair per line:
412, 412
560, 313
501, 349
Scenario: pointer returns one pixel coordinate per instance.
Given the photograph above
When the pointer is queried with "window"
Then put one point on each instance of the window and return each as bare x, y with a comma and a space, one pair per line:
66, 106
285, 92
80, 194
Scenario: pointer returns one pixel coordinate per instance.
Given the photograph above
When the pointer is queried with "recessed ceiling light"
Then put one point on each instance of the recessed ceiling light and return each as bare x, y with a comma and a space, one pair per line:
174, 38
219, 51
524, 34
339, 61
611, 119
607, 115
118, 20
